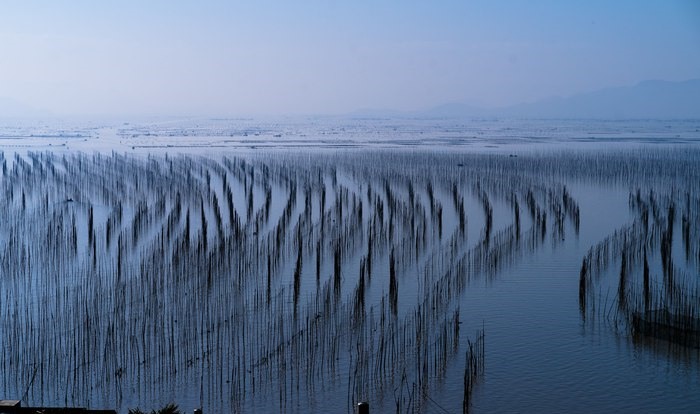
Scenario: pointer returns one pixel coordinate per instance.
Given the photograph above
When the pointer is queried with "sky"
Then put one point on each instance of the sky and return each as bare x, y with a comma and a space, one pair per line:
241, 58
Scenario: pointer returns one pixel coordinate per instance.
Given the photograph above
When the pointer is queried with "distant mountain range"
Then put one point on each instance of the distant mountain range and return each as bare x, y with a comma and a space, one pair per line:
647, 100
11, 108
652, 99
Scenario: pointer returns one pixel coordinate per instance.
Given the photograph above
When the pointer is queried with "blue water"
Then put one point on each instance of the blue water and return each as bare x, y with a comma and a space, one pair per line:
540, 354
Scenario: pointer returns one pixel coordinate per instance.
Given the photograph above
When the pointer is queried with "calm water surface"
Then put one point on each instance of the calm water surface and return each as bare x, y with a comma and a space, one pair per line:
208, 335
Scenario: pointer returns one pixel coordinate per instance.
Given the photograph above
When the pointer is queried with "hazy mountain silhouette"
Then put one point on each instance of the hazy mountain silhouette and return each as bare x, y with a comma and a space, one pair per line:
11, 108
649, 99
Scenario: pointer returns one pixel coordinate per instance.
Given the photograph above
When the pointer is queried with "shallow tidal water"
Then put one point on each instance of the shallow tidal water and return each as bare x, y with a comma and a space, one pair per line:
215, 264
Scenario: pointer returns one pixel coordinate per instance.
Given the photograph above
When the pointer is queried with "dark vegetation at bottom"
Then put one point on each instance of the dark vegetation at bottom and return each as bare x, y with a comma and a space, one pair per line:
168, 409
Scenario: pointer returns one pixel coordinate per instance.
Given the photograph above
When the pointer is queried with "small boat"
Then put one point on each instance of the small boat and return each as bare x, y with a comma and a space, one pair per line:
669, 326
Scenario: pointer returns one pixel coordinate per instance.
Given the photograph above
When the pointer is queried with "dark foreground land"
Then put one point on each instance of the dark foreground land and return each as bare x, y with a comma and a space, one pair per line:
14, 407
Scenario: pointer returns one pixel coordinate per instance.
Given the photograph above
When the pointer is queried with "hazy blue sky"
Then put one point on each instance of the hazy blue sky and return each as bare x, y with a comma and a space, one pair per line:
276, 57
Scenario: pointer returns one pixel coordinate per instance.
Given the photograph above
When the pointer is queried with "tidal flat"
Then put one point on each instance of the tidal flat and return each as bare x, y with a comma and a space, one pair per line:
241, 266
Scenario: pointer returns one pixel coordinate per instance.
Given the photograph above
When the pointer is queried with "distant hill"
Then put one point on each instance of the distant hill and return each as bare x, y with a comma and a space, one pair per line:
647, 100
372, 113
11, 108
456, 110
